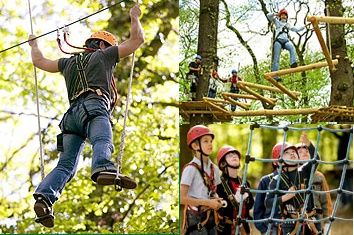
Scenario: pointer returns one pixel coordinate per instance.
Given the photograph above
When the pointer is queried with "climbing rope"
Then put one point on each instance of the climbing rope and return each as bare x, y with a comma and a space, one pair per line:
59, 28
122, 137
308, 191
37, 102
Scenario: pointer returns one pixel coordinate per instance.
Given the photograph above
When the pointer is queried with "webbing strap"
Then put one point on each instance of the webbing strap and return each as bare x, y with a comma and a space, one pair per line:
80, 85
228, 191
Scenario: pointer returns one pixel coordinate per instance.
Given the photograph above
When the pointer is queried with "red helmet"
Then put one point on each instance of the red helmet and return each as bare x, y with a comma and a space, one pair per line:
276, 151
196, 132
225, 150
283, 11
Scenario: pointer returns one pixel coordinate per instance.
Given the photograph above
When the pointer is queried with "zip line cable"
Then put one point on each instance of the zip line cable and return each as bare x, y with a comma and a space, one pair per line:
79, 20
37, 102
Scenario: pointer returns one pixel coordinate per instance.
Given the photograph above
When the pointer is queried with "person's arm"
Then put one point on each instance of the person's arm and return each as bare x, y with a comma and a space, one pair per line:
186, 200
271, 16
296, 28
39, 60
327, 205
136, 34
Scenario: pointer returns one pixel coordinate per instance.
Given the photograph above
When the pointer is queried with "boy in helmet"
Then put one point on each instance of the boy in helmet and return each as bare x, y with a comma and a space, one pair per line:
234, 79
281, 38
88, 78
322, 201
199, 180
231, 190
195, 69
293, 176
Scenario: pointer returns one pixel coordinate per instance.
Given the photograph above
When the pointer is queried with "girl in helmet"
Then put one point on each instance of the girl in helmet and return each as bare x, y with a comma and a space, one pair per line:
281, 38
199, 180
88, 78
231, 190
234, 79
292, 177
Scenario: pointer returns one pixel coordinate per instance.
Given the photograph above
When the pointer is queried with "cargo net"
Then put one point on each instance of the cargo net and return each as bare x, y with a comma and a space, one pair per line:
302, 217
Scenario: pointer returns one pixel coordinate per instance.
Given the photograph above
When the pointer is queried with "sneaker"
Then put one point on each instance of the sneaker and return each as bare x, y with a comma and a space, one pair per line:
109, 178
278, 79
44, 212
293, 65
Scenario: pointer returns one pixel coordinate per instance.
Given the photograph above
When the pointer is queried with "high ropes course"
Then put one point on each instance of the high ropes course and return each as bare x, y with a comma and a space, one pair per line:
218, 107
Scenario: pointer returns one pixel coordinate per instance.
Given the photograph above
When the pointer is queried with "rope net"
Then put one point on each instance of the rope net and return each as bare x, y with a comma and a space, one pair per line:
309, 191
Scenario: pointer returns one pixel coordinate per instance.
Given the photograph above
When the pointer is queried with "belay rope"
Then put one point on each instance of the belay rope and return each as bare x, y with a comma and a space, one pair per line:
37, 101
122, 137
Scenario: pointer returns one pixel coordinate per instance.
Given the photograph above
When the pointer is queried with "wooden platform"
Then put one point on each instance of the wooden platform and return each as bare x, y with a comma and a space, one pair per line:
334, 113
186, 109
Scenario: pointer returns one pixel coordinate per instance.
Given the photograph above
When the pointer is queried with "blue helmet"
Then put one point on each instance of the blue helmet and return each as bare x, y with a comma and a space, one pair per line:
234, 71
198, 57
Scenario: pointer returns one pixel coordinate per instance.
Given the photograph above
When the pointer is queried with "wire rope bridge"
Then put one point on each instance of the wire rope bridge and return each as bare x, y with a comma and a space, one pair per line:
219, 107
302, 217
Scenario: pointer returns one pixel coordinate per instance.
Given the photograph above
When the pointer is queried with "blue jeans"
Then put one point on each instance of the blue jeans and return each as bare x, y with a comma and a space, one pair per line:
277, 50
86, 118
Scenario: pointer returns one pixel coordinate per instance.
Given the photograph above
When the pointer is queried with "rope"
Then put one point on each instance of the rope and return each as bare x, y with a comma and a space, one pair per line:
55, 30
122, 137
37, 102
308, 191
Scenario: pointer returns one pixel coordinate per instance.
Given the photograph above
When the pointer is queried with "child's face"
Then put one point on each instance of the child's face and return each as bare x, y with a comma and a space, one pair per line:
283, 17
290, 154
233, 159
304, 153
207, 144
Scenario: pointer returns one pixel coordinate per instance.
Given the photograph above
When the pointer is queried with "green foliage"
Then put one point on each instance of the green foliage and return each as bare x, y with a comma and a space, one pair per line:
151, 143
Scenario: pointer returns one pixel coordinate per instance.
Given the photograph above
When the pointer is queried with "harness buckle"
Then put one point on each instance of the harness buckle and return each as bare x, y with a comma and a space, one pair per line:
99, 92
199, 226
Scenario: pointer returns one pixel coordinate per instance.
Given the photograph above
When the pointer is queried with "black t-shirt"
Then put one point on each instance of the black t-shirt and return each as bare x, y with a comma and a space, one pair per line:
194, 65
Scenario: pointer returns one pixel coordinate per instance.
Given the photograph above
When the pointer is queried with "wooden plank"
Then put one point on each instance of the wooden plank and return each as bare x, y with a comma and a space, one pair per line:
242, 105
209, 101
322, 43
262, 98
331, 19
263, 87
282, 87
299, 69
271, 112
240, 96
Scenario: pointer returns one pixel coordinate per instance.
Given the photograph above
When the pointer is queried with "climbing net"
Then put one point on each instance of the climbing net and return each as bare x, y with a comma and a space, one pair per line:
309, 191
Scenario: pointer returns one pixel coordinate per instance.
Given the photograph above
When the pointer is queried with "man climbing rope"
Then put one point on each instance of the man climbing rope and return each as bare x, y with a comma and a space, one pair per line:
89, 79
195, 70
281, 39
231, 190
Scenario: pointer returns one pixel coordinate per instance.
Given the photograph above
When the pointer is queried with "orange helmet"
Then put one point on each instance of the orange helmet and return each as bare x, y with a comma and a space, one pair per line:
283, 11
197, 132
105, 36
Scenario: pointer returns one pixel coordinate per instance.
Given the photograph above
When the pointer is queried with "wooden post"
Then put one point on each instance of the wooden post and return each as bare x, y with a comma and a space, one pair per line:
262, 87
324, 47
299, 69
242, 96
234, 102
332, 19
270, 112
282, 87
264, 99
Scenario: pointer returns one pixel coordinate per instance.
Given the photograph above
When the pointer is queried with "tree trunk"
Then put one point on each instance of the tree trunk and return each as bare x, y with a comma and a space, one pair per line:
342, 89
207, 48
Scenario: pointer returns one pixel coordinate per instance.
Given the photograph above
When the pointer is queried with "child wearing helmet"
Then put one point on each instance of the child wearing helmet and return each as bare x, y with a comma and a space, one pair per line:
293, 176
199, 180
88, 76
234, 79
232, 190
195, 69
213, 79
281, 38
322, 201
